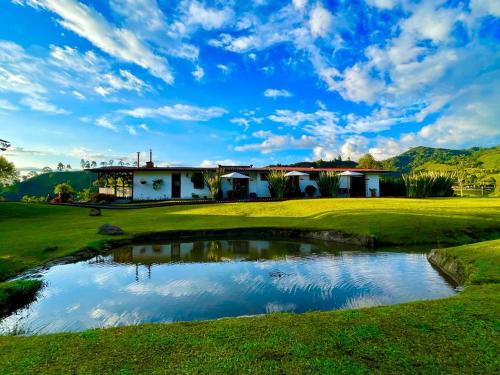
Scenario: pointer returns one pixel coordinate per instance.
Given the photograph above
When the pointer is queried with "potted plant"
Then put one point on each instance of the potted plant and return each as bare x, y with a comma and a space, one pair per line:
157, 184
373, 192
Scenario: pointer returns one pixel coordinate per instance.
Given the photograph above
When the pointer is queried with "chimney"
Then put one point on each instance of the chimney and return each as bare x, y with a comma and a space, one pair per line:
138, 159
150, 164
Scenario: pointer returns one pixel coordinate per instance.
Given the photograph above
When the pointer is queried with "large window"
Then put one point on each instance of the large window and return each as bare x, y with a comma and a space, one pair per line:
198, 180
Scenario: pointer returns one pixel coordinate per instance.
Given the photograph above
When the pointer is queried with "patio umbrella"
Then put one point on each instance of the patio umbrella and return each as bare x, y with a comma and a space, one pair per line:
351, 174
296, 173
234, 175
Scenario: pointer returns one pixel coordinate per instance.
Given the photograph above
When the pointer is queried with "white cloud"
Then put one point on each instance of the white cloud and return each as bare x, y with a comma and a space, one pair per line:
273, 142
118, 42
383, 4
483, 7
131, 130
182, 112
198, 73
275, 93
224, 68
357, 85
103, 122
215, 163
354, 147
321, 21
299, 4
208, 18
41, 105
7, 106
78, 95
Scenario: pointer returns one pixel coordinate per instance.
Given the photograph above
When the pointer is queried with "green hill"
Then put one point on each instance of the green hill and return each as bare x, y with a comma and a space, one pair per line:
43, 184
428, 158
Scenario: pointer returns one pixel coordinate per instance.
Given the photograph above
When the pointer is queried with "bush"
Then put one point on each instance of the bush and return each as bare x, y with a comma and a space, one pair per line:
252, 195
214, 183
33, 199
65, 191
392, 187
328, 184
277, 181
429, 184
310, 190
85, 195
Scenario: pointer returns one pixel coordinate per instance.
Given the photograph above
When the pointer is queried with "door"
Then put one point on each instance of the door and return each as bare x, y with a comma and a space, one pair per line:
358, 187
176, 185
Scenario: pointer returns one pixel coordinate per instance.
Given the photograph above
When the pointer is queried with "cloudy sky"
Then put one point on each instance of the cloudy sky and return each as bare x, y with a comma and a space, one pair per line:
251, 82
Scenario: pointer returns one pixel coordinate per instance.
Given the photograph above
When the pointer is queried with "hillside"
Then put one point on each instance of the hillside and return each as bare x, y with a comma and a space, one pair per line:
43, 184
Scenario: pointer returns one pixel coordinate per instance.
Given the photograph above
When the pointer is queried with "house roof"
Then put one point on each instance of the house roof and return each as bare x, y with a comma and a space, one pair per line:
230, 168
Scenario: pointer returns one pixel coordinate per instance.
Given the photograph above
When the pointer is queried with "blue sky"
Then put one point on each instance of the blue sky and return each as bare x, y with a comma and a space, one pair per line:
253, 82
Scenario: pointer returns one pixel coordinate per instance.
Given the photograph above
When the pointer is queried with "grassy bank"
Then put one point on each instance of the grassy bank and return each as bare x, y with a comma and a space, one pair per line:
453, 335
33, 234
14, 294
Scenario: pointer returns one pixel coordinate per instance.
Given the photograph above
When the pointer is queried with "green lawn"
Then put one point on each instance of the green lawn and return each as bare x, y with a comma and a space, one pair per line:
32, 234
454, 335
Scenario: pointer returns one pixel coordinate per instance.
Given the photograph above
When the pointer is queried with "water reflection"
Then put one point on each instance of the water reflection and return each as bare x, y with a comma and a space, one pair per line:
219, 278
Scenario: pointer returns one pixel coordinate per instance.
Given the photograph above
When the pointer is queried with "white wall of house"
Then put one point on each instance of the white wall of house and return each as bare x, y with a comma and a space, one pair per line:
146, 191
256, 185
372, 181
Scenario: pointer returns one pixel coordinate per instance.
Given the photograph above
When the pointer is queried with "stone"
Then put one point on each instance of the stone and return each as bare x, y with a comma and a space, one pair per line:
95, 212
110, 229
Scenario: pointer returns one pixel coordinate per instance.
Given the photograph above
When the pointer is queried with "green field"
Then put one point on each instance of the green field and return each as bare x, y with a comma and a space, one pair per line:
453, 335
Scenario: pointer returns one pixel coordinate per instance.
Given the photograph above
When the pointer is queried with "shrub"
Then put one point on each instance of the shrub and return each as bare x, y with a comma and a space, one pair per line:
85, 195
214, 183
33, 199
429, 184
310, 190
65, 191
277, 181
328, 184
392, 187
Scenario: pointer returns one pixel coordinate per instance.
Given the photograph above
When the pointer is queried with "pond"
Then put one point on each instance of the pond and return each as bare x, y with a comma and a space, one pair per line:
183, 281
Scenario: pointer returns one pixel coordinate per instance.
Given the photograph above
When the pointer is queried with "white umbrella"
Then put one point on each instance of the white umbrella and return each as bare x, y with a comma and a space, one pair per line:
351, 174
234, 175
296, 173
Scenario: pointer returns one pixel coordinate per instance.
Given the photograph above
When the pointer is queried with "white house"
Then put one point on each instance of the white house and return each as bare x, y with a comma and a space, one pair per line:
175, 183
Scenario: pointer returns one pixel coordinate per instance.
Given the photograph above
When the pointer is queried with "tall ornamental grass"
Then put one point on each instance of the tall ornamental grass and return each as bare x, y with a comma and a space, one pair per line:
328, 184
277, 183
429, 184
214, 183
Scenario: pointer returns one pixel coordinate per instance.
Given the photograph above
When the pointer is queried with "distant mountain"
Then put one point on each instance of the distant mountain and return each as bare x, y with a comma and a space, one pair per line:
428, 158
43, 184
321, 164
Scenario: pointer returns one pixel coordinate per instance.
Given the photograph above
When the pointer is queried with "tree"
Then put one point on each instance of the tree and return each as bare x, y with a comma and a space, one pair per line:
68, 166
461, 172
93, 164
64, 191
110, 163
31, 174
104, 163
82, 163
46, 170
8, 172
368, 161
214, 183
60, 167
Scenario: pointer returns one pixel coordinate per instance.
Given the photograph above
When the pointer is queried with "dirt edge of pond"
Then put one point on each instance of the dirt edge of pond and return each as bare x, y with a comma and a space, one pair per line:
449, 265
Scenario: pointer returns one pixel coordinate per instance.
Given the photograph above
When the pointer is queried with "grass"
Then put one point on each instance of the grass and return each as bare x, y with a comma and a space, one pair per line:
15, 293
454, 335
33, 234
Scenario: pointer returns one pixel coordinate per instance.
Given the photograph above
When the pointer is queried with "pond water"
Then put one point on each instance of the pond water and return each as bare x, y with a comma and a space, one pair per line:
181, 281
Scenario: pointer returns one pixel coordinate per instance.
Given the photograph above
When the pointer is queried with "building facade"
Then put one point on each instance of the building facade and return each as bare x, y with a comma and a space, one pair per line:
181, 183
